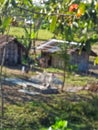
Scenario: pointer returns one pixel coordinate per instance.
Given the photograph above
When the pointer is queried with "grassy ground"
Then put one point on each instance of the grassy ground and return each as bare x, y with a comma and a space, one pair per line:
72, 79
40, 111
19, 32
27, 112
34, 112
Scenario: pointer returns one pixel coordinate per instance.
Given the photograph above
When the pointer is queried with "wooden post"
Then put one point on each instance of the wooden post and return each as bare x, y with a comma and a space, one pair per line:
1, 88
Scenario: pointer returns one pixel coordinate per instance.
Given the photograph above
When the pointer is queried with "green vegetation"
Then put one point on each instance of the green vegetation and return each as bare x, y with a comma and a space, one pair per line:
73, 79
60, 124
79, 80
19, 32
71, 21
79, 110
16, 31
42, 111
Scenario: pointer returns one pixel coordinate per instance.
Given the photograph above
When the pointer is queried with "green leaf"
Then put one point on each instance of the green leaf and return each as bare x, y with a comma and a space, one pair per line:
96, 7
33, 35
60, 125
26, 32
82, 7
6, 22
6, 3
96, 61
68, 33
26, 2
1, 1
53, 23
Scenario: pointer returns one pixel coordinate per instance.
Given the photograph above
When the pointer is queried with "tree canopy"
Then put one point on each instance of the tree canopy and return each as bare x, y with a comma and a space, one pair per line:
69, 20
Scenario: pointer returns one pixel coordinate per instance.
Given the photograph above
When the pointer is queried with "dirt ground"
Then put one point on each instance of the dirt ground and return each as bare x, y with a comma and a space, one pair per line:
11, 93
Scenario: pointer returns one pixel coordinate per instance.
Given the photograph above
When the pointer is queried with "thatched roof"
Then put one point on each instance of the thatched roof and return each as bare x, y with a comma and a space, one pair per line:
6, 39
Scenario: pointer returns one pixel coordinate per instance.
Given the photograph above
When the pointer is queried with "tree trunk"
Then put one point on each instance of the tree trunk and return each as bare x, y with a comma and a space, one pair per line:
28, 50
1, 88
64, 76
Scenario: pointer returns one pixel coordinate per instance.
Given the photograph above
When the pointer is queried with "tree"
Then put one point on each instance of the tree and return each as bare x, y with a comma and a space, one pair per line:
21, 10
74, 21
69, 20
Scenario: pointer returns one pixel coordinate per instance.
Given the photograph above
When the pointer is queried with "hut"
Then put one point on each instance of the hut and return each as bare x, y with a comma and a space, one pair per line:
11, 49
51, 58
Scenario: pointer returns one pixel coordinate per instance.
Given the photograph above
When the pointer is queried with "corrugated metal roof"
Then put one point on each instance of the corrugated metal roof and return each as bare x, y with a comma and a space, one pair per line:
51, 45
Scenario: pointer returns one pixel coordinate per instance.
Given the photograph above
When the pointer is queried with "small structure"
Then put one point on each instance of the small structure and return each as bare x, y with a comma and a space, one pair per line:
13, 50
52, 58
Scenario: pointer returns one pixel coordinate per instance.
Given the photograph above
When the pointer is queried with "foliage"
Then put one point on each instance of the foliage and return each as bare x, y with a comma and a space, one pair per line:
78, 19
76, 23
80, 110
61, 125
96, 61
19, 33
5, 24
81, 23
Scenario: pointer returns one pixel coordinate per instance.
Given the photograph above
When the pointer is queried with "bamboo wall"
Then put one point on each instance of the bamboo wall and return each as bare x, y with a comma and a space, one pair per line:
81, 60
57, 61
11, 53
